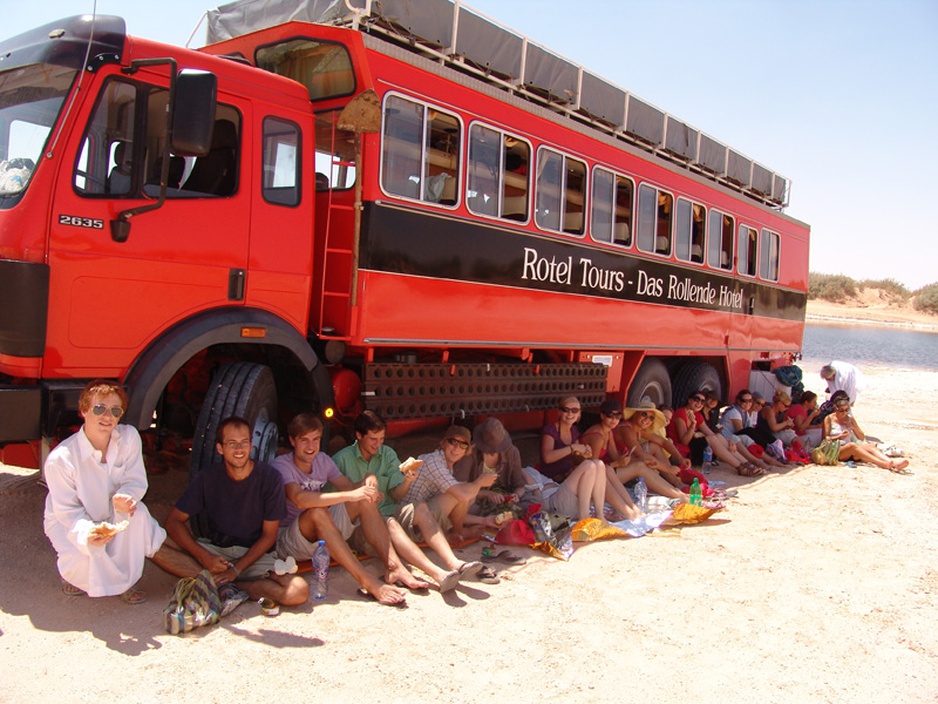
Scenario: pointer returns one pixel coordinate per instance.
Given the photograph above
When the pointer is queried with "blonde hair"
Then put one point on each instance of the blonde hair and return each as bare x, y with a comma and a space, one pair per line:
781, 396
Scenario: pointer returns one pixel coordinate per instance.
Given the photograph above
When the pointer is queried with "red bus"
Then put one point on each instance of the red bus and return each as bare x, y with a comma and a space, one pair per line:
403, 219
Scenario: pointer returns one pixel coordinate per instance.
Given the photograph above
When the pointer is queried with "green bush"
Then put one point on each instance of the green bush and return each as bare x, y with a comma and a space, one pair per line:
890, 287
926, 299
831, 287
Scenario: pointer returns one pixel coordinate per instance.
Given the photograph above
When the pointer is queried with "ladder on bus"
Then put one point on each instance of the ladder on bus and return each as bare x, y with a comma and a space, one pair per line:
335, 223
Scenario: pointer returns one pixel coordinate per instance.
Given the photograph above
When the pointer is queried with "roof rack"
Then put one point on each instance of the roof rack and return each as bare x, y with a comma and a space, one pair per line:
464, 39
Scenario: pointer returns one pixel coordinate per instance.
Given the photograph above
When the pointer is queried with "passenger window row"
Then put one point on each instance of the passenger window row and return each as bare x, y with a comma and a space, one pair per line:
421, 159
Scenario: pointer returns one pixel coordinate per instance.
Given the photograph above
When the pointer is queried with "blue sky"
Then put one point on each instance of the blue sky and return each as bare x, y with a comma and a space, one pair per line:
837, 95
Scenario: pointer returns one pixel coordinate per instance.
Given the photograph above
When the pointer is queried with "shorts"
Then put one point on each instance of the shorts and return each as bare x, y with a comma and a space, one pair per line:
743, 440
291, 541
258, 570
565, 502
405, 516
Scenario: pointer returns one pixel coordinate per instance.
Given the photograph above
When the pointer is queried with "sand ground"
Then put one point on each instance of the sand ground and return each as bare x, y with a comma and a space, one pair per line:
816, 585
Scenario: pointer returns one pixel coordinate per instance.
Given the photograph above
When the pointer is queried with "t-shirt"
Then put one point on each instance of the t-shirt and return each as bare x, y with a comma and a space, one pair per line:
796, 410
729, 415
562, 467
433, 479
385, 465
324, 470
235, 511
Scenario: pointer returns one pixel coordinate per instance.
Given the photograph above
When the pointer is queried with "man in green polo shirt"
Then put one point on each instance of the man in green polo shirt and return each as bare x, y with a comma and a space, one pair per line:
368, 460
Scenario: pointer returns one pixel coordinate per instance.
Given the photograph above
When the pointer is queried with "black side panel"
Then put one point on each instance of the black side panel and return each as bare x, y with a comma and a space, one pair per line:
24, 303
20, 410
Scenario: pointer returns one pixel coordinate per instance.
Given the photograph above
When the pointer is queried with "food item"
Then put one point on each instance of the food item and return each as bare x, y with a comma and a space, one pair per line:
504, 517
106, 530
411, 465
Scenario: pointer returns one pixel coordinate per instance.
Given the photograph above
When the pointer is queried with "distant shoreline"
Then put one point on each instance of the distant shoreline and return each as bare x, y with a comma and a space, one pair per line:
882, 316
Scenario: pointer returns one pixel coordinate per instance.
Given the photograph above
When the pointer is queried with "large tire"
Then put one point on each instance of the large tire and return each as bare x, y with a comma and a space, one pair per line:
695, 376
651, 383
239, 389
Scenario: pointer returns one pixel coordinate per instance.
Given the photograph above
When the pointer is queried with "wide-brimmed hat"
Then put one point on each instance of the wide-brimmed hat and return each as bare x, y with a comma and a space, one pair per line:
645, 406
490, 436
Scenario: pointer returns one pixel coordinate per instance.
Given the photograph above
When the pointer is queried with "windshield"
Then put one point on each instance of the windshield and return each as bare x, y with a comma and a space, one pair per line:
30, 100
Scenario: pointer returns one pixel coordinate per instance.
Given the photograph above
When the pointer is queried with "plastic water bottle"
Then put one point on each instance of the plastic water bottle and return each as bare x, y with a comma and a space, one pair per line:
641, 495
708, 455
696, 496
321, 571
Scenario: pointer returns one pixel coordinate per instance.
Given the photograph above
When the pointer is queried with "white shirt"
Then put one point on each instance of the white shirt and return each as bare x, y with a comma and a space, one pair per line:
848, 378
81, 487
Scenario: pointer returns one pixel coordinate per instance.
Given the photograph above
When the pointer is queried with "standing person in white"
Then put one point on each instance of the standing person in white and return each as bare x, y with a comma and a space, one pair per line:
96, 477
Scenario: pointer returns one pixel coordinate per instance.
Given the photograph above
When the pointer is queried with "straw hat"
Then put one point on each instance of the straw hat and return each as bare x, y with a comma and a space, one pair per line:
659, 421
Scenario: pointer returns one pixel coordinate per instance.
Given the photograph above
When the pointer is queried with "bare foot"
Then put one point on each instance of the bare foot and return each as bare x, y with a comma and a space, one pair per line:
384, 593
402, 575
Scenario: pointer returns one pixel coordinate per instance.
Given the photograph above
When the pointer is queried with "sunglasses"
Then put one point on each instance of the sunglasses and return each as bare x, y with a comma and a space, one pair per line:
456, 442
100, 409
646, 414
843, 407
698, 399
568, 409
746, 400
614, 414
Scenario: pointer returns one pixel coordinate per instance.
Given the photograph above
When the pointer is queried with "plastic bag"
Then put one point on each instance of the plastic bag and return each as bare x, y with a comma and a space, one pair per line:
195, 603
827, 453
587, 530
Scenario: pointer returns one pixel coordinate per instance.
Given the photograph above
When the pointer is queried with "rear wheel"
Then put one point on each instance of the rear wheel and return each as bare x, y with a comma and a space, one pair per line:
695, 376
651, 383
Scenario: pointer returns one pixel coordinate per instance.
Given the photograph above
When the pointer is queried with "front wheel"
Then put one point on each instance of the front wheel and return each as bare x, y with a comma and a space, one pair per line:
239, 389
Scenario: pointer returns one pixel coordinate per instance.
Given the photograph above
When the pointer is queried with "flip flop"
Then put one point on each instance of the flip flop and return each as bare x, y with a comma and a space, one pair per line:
469, 569
900, 468
72, 590
133, 597
488, 576
450, 581
508, 557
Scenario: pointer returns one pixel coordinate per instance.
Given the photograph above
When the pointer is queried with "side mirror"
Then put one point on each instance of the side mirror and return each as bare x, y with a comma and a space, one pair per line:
194, 112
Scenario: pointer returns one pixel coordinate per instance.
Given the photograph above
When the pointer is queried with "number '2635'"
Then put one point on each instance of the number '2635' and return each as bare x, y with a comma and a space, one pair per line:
78, 221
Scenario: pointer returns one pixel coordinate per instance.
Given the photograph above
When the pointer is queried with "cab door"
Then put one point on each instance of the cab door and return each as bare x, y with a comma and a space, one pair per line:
112, 298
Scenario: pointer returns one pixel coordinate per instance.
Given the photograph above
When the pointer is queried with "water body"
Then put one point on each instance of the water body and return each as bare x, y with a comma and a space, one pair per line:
871, 346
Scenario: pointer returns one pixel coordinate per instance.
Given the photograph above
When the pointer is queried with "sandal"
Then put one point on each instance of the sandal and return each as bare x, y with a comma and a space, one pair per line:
133, 597
509, 557
488, 576
900, 467
747, 469
467, 569
71, 590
